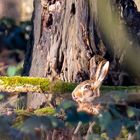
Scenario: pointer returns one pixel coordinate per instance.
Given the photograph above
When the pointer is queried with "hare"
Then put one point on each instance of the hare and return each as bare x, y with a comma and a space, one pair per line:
86, 91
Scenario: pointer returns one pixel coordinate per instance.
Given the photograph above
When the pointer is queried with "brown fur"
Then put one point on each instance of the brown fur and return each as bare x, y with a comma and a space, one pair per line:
88, 90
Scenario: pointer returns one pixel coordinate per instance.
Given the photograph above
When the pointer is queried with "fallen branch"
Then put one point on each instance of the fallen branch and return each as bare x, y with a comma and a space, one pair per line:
42, 85
34, 84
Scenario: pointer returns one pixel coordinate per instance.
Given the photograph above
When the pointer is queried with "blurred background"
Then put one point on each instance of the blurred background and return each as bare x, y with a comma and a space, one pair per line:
15, 27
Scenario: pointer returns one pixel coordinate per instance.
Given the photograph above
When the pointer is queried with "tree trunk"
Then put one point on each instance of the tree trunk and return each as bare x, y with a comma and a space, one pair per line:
67, 42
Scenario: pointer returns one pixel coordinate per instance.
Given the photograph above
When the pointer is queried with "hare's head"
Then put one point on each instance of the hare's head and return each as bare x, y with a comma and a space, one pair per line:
89, 89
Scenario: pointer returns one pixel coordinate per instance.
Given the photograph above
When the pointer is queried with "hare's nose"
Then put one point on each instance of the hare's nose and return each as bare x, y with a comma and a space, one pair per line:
74, 97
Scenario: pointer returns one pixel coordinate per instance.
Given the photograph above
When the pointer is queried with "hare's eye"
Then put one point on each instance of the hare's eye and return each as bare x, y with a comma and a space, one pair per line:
87, 87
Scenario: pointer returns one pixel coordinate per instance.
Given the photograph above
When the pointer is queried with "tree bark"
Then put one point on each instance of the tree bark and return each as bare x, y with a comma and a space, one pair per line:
63, 45
68, 41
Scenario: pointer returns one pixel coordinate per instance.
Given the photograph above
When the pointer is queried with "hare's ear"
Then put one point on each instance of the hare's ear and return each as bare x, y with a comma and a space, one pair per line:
101, 72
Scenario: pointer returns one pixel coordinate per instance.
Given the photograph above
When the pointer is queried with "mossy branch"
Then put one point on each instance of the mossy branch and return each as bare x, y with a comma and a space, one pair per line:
34, 84
41, 85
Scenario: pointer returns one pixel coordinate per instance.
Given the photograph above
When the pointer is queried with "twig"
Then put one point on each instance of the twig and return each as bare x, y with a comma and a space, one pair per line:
90, 129
77, 128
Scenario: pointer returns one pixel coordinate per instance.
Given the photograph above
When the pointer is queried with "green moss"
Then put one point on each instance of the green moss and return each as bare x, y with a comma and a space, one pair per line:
17, 80
18, 122
62, 87
124, 133
21, 112
43, 83
45, 111
104, 136
58, 87
22, 115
